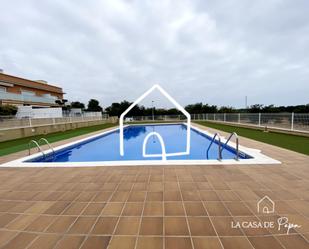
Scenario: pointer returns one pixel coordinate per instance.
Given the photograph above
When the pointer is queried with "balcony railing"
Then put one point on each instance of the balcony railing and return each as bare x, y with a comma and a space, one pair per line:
26, 98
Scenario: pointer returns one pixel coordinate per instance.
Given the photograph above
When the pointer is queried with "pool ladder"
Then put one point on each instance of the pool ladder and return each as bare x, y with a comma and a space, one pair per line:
37, 144
220, 149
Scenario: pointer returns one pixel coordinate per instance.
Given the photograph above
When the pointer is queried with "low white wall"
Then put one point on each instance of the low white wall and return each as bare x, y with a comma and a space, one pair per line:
28, 111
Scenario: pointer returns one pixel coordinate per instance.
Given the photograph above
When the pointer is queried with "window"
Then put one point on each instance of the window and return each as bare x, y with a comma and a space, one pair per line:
2, 89
27, 93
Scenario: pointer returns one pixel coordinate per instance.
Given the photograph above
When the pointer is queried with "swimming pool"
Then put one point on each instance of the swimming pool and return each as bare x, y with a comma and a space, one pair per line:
103, 149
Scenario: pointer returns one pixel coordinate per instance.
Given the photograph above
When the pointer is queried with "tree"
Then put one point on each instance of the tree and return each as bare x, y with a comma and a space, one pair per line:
93, 106
77, 104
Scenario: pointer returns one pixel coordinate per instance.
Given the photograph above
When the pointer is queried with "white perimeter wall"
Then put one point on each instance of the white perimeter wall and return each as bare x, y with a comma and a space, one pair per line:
27, 111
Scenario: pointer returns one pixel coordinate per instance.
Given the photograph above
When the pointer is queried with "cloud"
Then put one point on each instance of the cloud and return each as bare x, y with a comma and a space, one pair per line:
210, 51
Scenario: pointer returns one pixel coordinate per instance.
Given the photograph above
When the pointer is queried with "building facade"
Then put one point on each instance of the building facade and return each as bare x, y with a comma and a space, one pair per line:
23, 92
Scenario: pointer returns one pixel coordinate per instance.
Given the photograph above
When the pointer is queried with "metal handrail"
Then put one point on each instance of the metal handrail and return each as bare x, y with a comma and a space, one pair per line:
237, 143
37, 145
50, 147
219, 146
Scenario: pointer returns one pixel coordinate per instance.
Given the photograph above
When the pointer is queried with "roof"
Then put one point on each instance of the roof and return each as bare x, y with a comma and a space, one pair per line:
6, 78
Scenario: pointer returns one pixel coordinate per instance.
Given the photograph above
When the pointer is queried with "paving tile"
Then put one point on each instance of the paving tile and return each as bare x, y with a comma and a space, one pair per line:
103, 196
21, 241
174, 209
112, 209
207, 243
96, 242
120, 196
137, 196
153, 209
195, 209
133, 209
201, 226
75, 208
122, 242
105, 225
6, 236
216, 208
93, 209
57, 208
45, 241
237, 208
151, 226
178, 242
236, 243
61, 224
149, 243
82, 225
40, 223
265, 242
5, 219
172, 196
208, 195
293, 241
39, 207
154, 196
70, 242
128, 226
191, 195
223, 226
21, 222
175, 226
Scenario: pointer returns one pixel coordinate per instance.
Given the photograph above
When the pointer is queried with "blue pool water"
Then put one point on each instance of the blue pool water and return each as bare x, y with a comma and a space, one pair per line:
106, 147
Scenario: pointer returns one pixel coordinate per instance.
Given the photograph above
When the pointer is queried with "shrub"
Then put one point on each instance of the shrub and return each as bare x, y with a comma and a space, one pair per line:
6, 110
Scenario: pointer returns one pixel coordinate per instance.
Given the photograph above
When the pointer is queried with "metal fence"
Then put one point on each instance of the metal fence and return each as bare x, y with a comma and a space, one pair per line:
7, 122
286, 121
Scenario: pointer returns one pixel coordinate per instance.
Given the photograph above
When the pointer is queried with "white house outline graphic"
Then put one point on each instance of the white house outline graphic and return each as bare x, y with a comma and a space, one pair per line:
174, 102
265, 209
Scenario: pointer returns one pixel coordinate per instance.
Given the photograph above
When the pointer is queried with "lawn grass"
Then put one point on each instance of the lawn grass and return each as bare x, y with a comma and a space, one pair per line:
20, 144
291, 142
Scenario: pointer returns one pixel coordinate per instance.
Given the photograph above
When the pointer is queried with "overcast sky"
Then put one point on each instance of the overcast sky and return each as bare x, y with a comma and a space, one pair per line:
214, 51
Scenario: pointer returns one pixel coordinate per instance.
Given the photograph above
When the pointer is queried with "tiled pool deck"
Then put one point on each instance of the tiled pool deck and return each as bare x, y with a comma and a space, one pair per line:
170, 207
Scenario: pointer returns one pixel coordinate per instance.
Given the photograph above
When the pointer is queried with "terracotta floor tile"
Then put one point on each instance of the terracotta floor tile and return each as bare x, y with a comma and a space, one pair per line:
174, 209
265, 242
207, 243
96, 242
293, 241
151, 226
21, 222
93, 209
236, 243
5, 219
105, 225
70, 242
40, 223
208, 195
61, 224
249, 231
178, 242
153, 209
112, 209
120, 196
223, 226
227, 195
216, 208
122, 242
21, 207
137, 196
201, 226
133, 209
86, 196
149, 243
170, 186
128, 226
57, 208
238, 209
21, 241
103, 196
172, 196
82, 225
45, 241
6, 236
75, 208
154, 196
195, 209
39, 207
175, 226
191, 195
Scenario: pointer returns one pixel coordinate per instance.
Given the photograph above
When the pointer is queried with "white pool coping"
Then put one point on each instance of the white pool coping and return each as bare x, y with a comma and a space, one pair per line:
257, 156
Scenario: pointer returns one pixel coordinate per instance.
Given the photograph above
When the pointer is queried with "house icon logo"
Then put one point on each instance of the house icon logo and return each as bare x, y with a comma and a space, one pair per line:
266, 205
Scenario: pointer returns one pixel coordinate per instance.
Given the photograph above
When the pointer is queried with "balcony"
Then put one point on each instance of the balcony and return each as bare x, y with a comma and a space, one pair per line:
26, 98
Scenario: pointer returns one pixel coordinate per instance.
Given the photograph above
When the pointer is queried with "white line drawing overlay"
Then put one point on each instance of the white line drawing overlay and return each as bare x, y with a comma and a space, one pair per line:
177, 105
163, 155
266, 205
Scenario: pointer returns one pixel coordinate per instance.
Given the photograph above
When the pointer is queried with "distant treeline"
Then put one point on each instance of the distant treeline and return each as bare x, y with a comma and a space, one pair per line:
117, 108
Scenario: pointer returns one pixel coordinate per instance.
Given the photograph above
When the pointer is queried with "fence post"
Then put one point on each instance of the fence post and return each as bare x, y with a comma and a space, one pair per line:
215, 116
292, 121
30, 123
224, 117
54, 121
238, 118
259, 119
